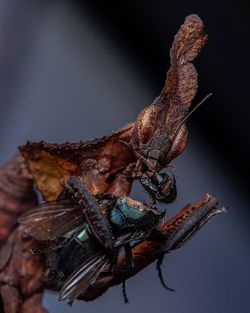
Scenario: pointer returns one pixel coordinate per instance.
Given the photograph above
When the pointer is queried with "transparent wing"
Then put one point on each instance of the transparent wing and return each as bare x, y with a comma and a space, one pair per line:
133, 238
83, 277
51, 220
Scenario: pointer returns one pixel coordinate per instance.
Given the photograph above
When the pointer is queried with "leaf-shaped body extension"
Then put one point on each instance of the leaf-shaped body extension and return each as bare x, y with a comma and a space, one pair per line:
101, 163
156, 138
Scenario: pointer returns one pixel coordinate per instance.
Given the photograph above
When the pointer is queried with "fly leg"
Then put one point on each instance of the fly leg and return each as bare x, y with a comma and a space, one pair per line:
158, 268
124, 263
124, 292
130, 264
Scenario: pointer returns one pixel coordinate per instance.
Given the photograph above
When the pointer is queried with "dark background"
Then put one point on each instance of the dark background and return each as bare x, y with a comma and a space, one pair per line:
74, 70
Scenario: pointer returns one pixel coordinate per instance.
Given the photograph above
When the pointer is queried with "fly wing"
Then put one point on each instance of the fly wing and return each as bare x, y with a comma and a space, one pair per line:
83, 277
88, 272
48, 221
132, 238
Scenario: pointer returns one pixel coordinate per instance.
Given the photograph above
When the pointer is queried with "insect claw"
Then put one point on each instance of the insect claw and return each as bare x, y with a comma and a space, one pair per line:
124, 293
70, 303
158, 268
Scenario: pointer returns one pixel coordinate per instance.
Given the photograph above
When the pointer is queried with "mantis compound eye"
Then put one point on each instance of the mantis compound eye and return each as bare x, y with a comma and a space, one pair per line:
161, 186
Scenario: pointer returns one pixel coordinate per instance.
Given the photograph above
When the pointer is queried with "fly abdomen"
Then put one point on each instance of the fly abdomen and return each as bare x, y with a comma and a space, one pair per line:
76, 251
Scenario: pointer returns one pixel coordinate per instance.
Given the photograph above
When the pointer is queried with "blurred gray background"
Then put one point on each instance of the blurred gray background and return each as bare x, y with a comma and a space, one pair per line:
65, 76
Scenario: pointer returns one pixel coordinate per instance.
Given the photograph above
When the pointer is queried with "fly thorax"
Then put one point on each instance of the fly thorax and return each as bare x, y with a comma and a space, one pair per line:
128, 213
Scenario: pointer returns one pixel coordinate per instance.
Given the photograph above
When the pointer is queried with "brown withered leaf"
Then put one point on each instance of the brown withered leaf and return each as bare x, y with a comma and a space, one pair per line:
147, 145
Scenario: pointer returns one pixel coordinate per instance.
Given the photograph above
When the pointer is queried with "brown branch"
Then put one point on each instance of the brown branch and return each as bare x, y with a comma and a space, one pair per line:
21, 273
